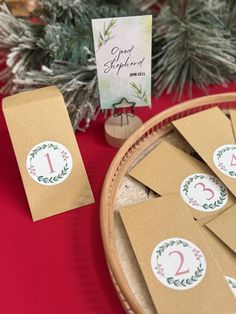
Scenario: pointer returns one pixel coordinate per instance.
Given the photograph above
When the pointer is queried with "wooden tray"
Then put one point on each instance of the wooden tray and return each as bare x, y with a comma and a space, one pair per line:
120, 190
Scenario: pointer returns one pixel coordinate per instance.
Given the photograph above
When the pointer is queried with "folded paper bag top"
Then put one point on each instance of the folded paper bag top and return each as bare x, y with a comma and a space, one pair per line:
47, 153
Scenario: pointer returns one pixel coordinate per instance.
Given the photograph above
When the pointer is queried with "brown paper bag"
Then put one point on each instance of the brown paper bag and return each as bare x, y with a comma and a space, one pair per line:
179, 269
47, 153
226, 258
224, 227
210, 134
167, 169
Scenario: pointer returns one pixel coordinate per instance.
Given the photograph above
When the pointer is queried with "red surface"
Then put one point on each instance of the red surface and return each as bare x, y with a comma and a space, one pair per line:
57, 265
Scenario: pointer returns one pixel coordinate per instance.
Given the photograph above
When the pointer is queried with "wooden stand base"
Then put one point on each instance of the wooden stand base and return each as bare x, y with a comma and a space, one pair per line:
119, 128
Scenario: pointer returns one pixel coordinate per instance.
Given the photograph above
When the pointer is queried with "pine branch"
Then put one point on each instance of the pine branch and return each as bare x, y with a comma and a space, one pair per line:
18, 39
78, 85
192, 45
66, 11
59, 51
194, 42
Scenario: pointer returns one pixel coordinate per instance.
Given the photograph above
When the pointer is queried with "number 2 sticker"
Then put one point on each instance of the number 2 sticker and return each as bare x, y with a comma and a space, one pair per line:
204, 192
180, 271
49, 163
178, 263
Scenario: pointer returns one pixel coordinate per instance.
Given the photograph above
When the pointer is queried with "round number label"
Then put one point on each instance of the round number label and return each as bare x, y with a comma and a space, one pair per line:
178, 264
49, 163
224, 158
204, 192
232, 284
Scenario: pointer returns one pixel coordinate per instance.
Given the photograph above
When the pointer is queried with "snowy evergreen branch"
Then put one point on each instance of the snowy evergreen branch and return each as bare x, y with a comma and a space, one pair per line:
193, 45
194, 42
58, 51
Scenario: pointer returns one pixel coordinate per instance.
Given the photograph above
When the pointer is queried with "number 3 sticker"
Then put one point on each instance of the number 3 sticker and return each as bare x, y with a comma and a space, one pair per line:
49, 163
204, 192
178, 263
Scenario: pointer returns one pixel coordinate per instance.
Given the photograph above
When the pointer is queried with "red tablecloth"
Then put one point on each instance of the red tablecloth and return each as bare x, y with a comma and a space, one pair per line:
57, 265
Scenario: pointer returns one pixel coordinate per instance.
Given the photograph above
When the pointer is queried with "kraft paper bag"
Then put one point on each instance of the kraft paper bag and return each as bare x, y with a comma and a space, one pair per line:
210, 133
167, 169
225, 257
47, 153
178, 266
224, 227
233, 120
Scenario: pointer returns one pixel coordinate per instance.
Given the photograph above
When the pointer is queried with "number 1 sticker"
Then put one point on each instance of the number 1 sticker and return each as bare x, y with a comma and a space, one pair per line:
49, 163
178, 263
204, 192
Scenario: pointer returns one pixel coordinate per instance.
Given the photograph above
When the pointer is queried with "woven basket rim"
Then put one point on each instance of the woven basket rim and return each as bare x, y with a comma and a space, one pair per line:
112, 179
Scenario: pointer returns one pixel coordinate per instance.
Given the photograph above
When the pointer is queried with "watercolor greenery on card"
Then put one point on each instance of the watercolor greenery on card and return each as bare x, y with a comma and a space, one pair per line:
123, 57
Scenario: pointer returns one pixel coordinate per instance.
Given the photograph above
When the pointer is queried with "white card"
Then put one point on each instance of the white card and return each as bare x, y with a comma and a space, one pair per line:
123, 57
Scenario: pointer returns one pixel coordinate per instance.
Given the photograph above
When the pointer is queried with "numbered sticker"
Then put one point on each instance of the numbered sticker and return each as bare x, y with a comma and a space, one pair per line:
224, 158
49, 163
178, 264
204, 192
232, 284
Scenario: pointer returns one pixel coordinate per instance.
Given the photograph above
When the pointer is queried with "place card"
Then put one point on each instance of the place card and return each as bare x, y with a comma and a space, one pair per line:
123, 58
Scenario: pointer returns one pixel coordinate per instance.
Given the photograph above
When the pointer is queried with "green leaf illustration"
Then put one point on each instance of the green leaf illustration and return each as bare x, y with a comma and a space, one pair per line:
105, 35
139, 92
